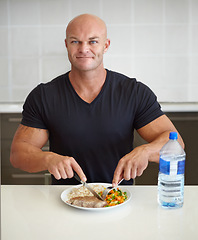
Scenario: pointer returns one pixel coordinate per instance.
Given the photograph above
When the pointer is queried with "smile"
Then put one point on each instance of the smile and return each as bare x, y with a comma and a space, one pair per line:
84, 57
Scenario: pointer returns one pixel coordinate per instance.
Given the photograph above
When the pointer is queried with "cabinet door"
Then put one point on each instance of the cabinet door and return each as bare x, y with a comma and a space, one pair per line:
9, 125
187, 125
9, 174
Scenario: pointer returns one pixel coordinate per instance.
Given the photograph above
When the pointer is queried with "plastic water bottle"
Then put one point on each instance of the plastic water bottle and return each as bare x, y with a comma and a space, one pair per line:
171, 174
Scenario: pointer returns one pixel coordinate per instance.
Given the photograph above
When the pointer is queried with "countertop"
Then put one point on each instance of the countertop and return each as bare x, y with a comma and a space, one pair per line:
166, 107
37, 212
11, 107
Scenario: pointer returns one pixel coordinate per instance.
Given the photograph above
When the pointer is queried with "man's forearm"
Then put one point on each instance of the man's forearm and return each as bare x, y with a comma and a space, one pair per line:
32, 159
155, 146
29, 158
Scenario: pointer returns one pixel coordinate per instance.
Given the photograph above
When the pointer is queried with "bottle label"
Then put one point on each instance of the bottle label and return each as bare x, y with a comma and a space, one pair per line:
181, 167
164, 166
171, 168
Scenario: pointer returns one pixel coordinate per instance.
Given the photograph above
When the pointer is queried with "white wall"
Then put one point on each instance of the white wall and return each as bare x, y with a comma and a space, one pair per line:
155, 41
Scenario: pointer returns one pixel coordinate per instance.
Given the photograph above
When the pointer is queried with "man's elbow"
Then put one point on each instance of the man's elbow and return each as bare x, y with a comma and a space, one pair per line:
181, 142
14, 157
13, 160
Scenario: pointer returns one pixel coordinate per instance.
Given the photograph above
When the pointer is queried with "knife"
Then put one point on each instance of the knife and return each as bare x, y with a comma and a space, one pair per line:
88, 187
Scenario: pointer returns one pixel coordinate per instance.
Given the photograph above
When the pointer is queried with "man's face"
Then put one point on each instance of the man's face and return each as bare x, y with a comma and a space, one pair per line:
86, 43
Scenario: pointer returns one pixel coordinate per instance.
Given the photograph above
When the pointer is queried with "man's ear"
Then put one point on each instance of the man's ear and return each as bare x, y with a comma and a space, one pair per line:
107, 44
65, 42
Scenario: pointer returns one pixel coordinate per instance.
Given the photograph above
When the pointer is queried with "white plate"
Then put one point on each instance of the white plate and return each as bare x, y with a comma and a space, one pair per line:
64, 197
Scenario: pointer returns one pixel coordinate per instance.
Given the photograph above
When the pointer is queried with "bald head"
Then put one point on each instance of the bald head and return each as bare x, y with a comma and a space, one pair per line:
86, 42
87, 22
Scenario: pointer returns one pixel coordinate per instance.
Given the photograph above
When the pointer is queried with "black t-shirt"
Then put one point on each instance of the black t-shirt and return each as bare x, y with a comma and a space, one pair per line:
98, 134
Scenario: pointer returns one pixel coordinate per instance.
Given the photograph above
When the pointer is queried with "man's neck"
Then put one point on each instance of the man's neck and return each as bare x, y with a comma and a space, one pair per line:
88, 84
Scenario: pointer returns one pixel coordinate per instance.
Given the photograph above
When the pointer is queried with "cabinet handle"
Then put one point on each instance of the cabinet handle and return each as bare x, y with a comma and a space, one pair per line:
184, 118
28, 176
14, 120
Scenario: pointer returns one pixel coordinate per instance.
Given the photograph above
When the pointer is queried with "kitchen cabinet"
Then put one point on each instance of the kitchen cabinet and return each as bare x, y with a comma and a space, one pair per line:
187, 125
9, 174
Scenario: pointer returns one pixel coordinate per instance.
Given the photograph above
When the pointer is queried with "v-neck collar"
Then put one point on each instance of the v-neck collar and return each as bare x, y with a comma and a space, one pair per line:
97, 97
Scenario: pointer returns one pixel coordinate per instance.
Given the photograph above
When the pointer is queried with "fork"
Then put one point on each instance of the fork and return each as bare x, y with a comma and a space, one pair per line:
108, 189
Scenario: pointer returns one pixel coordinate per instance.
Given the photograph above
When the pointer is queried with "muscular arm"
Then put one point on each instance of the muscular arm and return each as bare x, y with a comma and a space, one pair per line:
156, 133
26, 154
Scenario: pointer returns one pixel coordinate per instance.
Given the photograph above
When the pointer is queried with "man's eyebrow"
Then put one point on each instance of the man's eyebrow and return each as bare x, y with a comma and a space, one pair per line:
73, 37
95, 37
91, 38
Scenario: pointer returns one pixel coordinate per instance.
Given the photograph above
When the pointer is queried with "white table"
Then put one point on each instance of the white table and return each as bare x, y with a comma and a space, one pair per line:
37, 212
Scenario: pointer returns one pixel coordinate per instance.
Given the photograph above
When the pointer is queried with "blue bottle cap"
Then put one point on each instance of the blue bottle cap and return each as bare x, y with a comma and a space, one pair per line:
173, 135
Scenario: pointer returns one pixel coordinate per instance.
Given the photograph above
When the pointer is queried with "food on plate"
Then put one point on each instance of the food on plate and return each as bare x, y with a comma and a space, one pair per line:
88, 202
82, 197
82, 191
115, 197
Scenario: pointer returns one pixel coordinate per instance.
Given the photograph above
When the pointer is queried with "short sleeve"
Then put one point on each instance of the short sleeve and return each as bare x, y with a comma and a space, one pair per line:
33, 109
148, 108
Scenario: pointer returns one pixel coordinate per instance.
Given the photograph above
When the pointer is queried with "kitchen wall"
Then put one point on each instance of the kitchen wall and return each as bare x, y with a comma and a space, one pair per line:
155, 41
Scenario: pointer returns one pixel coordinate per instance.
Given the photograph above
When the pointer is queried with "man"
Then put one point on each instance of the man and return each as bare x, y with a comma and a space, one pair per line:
89, 115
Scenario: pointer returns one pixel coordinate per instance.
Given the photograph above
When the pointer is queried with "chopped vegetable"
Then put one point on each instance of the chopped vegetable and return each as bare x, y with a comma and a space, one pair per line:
115, 197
